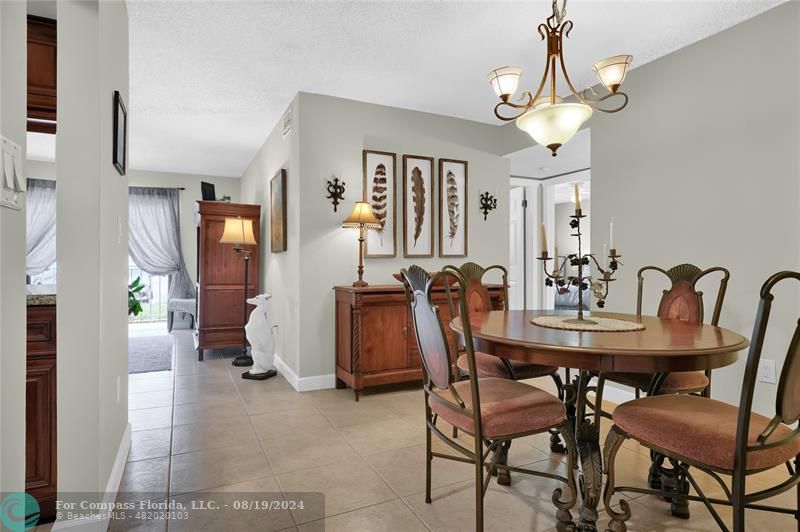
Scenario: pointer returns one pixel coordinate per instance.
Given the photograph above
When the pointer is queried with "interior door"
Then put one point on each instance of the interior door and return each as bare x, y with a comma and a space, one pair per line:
517, 251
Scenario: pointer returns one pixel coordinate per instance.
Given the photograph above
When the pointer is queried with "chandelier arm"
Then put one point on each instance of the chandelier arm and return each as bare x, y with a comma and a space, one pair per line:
544, 31
565, 29
592, 102
523, 106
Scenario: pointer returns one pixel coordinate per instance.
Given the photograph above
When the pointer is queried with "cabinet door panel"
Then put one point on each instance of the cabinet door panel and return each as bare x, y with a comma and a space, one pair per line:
40, 432
384, 338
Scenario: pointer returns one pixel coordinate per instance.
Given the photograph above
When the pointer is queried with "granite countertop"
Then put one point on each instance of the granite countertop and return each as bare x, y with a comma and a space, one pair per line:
41, 294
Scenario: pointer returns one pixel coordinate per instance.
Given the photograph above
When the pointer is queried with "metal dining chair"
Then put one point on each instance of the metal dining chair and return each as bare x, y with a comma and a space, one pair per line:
493, 410
478, 300
716, 437
681, 301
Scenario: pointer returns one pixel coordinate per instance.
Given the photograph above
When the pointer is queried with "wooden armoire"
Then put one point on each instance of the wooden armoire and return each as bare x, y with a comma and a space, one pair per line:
220, 276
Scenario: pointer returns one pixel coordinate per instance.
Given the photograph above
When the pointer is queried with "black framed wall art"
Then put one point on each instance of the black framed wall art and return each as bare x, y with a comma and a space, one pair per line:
120, 145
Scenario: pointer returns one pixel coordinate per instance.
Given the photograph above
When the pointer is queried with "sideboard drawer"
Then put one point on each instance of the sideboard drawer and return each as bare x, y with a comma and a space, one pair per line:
41, 330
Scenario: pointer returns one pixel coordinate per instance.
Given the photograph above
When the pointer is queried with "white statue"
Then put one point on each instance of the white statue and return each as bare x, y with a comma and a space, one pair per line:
262, 340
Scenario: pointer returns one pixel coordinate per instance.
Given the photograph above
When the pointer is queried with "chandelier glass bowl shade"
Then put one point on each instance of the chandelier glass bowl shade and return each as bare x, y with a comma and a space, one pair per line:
553, 125
546, 117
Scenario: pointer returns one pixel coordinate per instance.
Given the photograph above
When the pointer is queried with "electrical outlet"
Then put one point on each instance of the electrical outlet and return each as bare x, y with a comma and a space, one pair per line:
118, 389
766, 371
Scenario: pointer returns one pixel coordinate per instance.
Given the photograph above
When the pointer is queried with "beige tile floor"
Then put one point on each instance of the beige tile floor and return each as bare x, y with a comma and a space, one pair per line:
202, 428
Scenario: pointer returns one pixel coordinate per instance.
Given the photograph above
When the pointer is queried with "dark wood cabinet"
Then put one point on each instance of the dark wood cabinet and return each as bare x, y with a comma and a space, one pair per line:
40, 409
41, 74
375, 342
220, 276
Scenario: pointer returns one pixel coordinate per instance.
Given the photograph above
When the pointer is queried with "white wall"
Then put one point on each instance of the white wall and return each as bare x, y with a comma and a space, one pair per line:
332, 134
702, 167
92, 249
142, 178
13, 75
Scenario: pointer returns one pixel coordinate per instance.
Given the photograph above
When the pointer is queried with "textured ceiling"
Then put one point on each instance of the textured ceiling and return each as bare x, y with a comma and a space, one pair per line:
210, 79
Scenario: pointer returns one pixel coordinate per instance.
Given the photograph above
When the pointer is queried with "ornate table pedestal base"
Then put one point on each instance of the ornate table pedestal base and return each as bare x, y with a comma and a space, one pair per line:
587, 440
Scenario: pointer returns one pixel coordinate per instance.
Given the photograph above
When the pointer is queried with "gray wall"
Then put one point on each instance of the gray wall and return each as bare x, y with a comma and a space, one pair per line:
13, 85
702, 167
332, 134
92, 248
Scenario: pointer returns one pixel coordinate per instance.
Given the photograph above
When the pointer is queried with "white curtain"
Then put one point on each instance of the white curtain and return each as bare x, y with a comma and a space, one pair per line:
40, 212
154, 242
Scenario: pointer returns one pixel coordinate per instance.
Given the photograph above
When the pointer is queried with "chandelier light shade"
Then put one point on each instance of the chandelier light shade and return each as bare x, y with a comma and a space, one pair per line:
612, 71
553, 125
504, 81
238, 231
546, 117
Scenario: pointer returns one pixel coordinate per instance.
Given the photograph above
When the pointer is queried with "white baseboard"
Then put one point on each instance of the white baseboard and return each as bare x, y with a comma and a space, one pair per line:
112, 487
304, 384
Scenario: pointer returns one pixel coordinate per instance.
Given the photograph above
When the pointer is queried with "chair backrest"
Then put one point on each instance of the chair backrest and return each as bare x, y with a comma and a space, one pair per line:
435, 352
787, 399
682, 301
476, 294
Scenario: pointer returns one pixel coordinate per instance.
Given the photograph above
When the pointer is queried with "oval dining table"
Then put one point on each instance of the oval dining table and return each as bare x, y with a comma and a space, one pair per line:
663, 346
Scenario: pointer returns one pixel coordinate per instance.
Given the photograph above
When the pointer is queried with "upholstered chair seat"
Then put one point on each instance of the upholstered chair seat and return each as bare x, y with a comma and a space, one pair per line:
507, 407
679, 382
701, 430
492, 366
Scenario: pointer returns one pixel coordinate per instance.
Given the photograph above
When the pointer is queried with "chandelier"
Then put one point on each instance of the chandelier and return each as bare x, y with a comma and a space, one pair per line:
548, 118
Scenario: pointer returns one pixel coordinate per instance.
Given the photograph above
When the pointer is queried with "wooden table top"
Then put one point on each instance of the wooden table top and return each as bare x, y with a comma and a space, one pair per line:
664, 344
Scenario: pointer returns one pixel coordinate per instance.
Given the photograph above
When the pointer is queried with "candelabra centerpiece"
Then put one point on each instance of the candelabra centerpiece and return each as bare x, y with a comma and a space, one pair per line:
597, 285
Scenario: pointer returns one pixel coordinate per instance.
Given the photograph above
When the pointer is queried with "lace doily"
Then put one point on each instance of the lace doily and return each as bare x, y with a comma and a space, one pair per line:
593, 324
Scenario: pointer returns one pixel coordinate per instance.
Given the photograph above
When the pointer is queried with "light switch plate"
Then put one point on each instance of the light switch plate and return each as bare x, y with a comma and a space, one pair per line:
766, 371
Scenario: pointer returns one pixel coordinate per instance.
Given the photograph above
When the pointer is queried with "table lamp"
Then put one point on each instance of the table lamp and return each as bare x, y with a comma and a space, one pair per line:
239, 231
362, 219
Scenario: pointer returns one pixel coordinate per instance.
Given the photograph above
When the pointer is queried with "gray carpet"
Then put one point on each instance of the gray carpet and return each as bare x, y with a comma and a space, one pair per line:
149, 353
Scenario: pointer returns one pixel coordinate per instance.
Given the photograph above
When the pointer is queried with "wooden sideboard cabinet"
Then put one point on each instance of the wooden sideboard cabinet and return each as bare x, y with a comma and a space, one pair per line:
42, 74
375, 342
40, 409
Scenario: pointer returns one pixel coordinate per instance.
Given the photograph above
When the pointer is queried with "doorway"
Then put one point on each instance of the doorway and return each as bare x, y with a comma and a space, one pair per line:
542, 192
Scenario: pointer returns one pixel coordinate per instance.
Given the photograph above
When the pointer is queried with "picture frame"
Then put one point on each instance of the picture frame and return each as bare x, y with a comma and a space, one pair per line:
380, 191
119, 156
418, 206
453, 208
277, 212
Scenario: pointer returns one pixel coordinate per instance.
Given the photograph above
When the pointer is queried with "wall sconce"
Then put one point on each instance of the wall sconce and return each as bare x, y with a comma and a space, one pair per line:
335, 191
488, 204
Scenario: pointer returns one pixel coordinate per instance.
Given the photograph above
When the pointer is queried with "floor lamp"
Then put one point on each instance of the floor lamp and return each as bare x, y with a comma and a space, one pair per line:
362, 219
239, 231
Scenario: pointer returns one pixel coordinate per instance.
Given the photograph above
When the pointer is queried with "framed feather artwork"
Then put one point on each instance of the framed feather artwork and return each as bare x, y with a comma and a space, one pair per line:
380, 192
417, 206
453, 230
277, 212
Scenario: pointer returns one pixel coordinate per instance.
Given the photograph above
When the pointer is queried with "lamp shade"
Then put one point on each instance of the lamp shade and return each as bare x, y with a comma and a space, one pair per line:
504, 81
362, 216
554, 125
238, 231
612, 71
